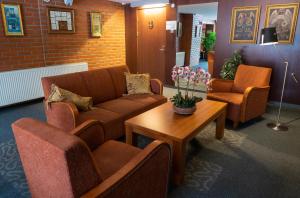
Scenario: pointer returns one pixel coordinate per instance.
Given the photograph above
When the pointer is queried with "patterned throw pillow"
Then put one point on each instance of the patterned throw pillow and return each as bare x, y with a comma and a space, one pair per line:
58, 94
138, 83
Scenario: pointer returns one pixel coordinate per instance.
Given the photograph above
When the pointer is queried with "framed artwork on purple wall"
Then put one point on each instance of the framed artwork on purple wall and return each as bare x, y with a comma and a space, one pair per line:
284, 18
244, 24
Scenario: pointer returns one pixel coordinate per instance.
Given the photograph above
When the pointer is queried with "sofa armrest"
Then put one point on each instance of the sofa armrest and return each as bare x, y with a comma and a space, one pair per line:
62, 115
91, 132
220, 85
254, 102
156, 86
146, 175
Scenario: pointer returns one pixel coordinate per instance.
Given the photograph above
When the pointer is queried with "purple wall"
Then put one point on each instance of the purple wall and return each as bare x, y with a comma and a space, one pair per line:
260, 55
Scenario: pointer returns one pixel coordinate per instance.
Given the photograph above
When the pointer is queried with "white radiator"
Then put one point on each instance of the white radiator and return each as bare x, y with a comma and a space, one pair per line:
23, 85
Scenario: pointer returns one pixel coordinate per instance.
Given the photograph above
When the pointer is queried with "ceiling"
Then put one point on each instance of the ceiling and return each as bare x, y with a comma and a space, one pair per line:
137, 3
209, 11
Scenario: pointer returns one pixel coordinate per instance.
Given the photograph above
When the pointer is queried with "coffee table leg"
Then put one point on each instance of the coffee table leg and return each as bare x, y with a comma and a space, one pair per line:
178, 162
130, 136
220, 125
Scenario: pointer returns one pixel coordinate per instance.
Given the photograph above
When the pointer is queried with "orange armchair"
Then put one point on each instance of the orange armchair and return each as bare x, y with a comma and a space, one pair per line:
246, 96
82, 164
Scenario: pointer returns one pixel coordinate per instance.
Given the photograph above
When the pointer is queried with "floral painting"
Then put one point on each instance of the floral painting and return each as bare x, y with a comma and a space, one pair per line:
244, 24
284, 18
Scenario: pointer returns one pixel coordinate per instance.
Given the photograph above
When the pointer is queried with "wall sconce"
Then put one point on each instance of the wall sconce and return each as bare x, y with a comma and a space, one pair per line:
69, 2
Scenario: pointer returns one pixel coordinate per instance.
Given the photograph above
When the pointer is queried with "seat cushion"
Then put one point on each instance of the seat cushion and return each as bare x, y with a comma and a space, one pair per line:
234, 101
126, 108
112, 156
111, 121
153, 100
234, 98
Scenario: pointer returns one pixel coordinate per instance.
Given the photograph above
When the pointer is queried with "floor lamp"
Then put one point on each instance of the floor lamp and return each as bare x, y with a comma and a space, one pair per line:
269, 37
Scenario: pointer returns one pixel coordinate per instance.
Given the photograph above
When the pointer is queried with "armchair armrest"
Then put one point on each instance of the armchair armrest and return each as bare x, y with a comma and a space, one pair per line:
146, 175
156, 86
91, 132
220, 85
62, 115
254, 102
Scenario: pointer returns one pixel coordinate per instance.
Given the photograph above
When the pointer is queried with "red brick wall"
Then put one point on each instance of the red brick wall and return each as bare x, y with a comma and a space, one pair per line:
27, 51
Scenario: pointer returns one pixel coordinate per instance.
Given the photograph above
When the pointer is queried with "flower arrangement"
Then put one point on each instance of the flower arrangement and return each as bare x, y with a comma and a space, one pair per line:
193, 77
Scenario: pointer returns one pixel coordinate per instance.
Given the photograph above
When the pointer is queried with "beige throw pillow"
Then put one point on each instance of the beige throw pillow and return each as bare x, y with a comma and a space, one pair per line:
58, 94
138, 83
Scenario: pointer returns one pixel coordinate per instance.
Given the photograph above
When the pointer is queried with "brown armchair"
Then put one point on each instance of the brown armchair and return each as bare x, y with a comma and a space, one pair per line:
247, 95
81, 164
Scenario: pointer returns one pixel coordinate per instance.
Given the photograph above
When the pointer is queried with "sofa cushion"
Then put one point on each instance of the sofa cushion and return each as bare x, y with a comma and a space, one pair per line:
99, 85
153, 100
126, 108
119, 80
58, 95
111, 121
138, 83
112, 156
72, 82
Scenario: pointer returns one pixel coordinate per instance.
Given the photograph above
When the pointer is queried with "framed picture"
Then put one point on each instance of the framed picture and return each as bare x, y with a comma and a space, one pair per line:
284, 18
244, 24
12, 19
96, 24
60, 20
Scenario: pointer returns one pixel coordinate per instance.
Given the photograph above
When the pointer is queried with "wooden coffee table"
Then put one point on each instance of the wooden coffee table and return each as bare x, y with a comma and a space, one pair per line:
163, 124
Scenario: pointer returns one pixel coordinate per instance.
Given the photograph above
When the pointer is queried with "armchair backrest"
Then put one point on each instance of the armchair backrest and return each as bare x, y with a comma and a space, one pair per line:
251, 76
56, 163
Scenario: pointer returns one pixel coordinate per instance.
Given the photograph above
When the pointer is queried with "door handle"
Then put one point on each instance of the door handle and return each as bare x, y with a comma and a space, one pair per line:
163, 48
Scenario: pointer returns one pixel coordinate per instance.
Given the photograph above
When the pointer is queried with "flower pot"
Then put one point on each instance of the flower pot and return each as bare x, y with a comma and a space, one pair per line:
184, 111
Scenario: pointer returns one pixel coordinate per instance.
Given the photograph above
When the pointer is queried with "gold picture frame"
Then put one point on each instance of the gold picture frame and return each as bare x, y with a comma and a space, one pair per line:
96, 24
12, 19
244, 24
289, 13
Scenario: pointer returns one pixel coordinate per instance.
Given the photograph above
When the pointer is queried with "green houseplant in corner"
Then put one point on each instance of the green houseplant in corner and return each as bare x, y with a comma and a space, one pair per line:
209, 42
230, 66
186, 104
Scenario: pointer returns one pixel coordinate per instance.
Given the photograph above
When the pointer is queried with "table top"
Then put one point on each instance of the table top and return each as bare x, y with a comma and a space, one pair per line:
164, 122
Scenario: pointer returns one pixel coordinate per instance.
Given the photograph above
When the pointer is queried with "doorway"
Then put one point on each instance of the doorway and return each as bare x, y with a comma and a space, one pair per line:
196, 36
151, 42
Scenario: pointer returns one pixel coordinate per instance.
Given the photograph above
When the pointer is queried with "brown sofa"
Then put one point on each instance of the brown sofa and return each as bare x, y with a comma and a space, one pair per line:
81, 164
246, 96
107, 87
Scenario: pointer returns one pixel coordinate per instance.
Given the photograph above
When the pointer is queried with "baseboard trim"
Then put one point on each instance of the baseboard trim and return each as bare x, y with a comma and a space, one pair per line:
284, 105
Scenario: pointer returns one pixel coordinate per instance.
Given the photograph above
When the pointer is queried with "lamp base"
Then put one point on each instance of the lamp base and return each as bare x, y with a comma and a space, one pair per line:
277, 127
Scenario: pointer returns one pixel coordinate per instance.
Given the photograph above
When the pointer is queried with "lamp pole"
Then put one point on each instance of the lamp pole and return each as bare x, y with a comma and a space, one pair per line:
279, 126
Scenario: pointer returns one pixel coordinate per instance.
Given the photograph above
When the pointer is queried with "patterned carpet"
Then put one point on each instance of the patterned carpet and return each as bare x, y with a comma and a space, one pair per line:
252, 161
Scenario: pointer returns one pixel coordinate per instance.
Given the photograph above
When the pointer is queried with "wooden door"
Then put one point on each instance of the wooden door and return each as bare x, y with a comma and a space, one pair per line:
152, 42
185, 42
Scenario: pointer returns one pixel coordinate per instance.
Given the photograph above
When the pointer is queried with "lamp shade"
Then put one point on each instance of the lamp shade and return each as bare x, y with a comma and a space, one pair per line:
268, 36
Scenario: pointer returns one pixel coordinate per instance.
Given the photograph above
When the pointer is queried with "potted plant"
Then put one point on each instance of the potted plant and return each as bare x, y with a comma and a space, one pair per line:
186, 103
230, 66
209, 42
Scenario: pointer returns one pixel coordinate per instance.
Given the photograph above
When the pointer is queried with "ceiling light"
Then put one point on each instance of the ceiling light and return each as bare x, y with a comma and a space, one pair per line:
158, 5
